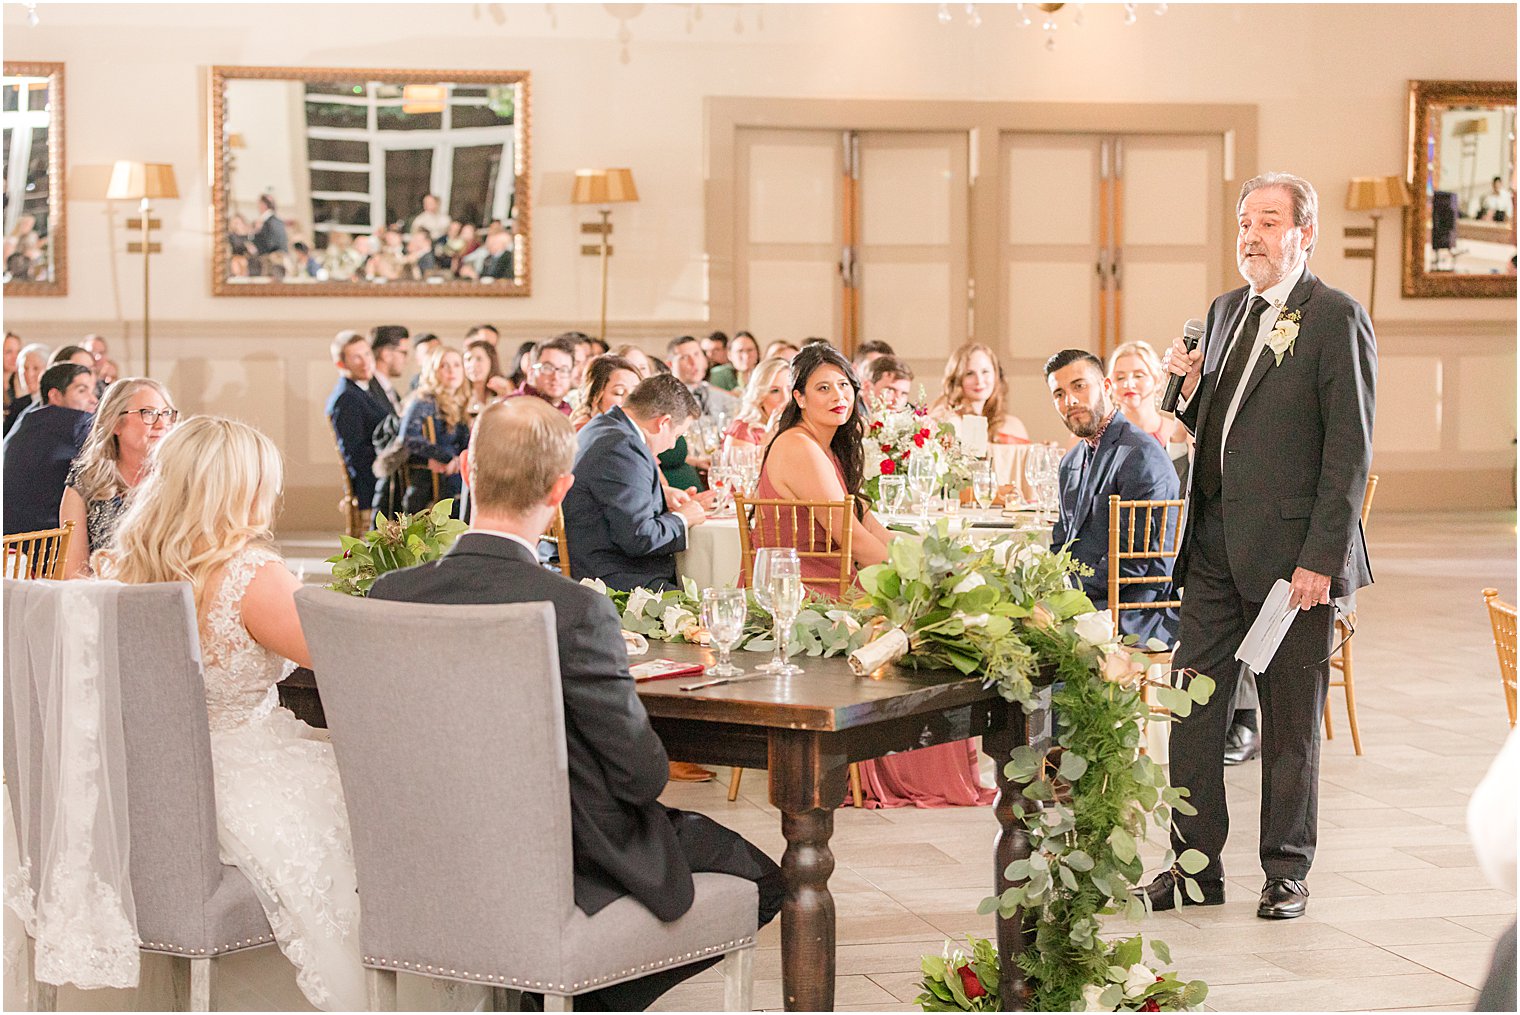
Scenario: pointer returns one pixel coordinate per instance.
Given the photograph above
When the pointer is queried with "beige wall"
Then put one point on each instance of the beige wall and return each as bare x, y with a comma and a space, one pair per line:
1328, 81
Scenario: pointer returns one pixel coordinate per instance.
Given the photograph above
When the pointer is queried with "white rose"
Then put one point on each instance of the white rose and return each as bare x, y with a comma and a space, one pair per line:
1138, 980
1090, 995
851, 624
1096, 628
974, 580
640, 598
595, 583
675, 618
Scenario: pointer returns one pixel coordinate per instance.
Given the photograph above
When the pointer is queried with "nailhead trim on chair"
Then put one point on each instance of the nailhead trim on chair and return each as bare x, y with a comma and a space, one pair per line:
179, 950
374, 962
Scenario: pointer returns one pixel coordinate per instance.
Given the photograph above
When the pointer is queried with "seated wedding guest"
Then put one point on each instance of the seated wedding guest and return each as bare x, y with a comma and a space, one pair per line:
133, 417
887, 383
40, 450
549, 377
582, 343
620, 525
786, 350
483, 332
340, 261
975, 386
598, 347
638, 358
107, 375
869, 351
72, 354
522, 362
97, 347
12, 374
720, 371
33, 360
391, 345
689, 363
422, 348
302, 264
609, 381
205, 514
269, 230
1112, 456
418, 259
1138, 380
743, 356
431, 219
623, 841
354, 410
769, 389
483, 376
435, 430
492, 260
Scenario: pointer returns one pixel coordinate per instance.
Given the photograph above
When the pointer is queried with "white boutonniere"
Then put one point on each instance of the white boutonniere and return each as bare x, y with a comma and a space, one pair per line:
1284, 334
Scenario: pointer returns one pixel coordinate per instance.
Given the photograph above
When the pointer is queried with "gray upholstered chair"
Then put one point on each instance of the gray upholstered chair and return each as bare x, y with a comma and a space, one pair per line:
189, 904
448, 724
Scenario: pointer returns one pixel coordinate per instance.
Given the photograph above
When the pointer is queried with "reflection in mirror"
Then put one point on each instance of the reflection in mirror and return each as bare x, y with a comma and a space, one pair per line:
1462, 238
371, 182
31, 114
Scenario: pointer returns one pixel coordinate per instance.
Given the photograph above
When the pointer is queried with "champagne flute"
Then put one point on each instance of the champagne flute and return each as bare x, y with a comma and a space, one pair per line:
984, 484
723, 614
786, 593
922, 468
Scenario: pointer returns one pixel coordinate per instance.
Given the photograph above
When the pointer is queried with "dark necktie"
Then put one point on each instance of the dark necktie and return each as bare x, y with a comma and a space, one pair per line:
1210, 462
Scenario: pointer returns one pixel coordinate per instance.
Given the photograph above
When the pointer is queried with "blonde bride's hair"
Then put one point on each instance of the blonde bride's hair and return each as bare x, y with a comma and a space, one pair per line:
211, 490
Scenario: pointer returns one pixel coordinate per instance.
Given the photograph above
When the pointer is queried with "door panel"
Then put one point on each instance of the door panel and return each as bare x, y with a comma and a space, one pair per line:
796, 298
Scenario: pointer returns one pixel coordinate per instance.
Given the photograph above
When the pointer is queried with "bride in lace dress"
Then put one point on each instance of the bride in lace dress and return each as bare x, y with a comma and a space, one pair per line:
204, 516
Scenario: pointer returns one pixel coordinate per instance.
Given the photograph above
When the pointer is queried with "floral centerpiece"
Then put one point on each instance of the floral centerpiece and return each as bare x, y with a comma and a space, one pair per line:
1006, 611
392, 544
895, 434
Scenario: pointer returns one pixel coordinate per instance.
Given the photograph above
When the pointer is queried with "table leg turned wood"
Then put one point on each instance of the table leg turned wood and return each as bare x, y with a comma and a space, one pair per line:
808, 776
1014, 933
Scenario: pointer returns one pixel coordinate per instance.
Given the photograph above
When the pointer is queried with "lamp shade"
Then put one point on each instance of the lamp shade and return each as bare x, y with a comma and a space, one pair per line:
603, 186
133, 180
1368, 192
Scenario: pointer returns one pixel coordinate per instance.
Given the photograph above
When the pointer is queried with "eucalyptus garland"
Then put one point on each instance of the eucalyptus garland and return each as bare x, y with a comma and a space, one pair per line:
1006, 610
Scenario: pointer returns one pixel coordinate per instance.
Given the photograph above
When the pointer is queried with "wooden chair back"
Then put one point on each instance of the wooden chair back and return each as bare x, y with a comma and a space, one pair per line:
1132, 526
555, 535
355, 515
39, 554
1501, 616
807, 525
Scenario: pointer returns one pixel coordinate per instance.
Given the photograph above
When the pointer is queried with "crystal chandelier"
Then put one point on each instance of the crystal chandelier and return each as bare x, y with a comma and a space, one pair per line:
1050, 22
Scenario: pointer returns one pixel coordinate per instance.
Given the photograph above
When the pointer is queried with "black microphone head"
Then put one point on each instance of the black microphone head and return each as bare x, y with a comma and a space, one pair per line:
1192, 331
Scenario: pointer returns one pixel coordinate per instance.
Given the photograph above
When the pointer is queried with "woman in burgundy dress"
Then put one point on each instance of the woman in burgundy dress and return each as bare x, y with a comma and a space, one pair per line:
817, 455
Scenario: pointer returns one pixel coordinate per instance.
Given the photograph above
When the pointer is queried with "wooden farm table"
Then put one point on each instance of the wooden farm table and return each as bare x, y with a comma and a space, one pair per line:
807, 730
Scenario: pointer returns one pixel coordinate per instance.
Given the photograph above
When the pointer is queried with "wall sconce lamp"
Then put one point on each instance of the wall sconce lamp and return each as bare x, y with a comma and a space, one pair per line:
143, 181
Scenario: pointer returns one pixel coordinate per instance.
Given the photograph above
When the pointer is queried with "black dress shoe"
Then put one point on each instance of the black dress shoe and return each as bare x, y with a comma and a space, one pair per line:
1243, 745
1163, 891
1283, 899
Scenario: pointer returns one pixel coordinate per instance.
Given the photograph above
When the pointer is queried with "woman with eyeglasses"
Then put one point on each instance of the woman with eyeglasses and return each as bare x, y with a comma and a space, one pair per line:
130, 421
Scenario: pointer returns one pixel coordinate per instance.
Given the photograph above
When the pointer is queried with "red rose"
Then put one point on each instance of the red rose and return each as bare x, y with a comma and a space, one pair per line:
888, 466
347, 554
971, 985
1150, 1003
876, 426
919, 438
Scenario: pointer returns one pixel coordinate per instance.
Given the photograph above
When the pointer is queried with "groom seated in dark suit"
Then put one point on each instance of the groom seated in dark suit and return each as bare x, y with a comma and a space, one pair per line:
1113, 457
624, 842
619, 523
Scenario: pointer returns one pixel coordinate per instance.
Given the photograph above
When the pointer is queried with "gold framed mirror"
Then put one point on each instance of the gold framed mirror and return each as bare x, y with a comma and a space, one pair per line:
362, 182
36, 252
1459, 230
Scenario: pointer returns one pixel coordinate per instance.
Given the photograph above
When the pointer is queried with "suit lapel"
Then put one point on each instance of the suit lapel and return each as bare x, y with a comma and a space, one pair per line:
1266, 361
1102, 463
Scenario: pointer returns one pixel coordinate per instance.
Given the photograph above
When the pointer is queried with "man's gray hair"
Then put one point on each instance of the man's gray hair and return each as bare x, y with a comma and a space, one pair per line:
1305, 200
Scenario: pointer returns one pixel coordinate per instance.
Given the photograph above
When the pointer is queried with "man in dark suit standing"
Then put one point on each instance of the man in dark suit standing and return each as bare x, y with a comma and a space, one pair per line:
1113, 457
355, 412
44, 444
620, 527
624, 842
1280, 402
269, 234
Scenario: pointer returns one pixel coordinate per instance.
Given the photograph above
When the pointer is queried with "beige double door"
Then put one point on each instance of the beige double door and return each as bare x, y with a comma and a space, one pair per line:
853, 236
1086, 240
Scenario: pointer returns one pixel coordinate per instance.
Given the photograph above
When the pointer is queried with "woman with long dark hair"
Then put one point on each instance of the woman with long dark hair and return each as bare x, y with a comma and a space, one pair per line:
818, 455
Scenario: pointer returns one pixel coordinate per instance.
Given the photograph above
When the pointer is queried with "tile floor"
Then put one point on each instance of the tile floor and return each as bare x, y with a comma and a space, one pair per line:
1400, 917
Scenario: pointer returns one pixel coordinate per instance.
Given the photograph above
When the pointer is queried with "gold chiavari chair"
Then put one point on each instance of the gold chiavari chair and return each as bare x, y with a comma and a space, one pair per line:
1345, 629
1132, 525
355, 516
778, 523
39, 554
1502, 616
555, 534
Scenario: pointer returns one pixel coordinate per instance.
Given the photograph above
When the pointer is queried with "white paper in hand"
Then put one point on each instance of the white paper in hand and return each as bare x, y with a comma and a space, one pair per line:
1272, 623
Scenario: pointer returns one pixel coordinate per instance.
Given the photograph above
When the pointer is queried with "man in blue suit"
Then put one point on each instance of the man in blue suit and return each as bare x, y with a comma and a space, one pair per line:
42, 447
1113, 457
355, 412
620, 526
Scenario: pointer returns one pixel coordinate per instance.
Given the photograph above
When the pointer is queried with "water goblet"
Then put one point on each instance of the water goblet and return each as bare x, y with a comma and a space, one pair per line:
892, 490
723, 614
984, 484
922, 473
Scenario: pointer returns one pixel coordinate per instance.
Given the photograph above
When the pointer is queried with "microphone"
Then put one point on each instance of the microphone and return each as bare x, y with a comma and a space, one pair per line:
1192, 334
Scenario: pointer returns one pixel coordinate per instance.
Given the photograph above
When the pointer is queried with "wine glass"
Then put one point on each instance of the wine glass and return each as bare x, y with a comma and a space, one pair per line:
760, 583
723, 614
984, 484
922, 470
1042, 468
720, 480
892, 490
786, 592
